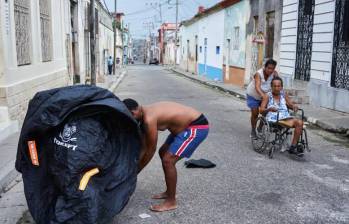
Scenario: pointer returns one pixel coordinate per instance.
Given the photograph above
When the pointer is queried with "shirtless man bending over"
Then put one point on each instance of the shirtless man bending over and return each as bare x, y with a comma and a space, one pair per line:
188, 128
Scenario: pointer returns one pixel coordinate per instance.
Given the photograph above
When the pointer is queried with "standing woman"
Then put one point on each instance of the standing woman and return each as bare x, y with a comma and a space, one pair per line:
258, 87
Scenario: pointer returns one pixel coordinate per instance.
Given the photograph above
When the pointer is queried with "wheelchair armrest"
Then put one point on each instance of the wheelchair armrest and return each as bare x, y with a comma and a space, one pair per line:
302, 113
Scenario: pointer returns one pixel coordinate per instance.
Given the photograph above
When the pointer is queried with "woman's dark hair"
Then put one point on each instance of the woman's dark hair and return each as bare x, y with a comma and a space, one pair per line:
270, 62
277, 79
131, 104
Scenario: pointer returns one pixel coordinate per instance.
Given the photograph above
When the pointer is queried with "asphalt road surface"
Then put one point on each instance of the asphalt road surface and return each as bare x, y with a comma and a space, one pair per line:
245, 187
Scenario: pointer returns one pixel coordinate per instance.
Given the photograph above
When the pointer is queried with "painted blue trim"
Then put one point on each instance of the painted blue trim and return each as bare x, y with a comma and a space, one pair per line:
201, 69
213, 73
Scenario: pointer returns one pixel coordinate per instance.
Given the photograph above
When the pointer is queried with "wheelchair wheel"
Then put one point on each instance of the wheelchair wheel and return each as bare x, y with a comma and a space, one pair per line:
286, 141
260, 143
305, 140
271, 151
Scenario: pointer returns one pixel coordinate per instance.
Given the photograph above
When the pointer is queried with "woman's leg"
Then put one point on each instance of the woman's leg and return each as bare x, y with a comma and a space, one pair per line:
254, 116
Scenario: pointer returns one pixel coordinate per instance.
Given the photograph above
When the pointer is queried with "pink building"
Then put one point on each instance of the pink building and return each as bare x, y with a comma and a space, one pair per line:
166, 35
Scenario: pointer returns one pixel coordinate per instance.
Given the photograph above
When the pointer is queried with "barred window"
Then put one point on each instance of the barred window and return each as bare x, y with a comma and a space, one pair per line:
23, 32
236, 44
46, 31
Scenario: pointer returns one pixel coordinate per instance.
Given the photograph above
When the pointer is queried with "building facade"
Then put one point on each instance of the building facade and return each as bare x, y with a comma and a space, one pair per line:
189, 46
106, 40
166, 43
201, 41
234, 60
263, 34
230, 41
33, 50
211, 41
315, 50
45, 44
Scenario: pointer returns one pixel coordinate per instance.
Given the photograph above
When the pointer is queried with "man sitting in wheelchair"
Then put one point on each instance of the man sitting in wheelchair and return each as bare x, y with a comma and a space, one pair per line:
275, 105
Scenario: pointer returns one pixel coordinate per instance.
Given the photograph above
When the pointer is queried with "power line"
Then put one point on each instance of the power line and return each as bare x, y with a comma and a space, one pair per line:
186, 10
140, 18
197, 2
138, 12
142, 10
106, 7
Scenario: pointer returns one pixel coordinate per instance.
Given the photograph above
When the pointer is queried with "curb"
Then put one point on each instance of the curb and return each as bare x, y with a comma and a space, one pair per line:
212, 85
113, 87
310, 120
8, 174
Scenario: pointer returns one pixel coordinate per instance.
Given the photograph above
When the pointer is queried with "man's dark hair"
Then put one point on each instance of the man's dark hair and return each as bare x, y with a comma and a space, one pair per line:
270, 62
131, 104
277, 79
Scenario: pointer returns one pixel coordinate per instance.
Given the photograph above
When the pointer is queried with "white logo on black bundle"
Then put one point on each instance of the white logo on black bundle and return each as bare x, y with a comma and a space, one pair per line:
66, 137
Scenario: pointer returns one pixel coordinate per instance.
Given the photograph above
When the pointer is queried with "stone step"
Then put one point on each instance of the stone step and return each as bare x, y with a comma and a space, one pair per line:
296, 92
300, 99
4, 114
3, 102
7, 128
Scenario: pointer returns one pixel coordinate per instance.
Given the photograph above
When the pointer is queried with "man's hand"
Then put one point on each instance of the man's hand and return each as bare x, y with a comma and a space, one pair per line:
295, 108
272, 109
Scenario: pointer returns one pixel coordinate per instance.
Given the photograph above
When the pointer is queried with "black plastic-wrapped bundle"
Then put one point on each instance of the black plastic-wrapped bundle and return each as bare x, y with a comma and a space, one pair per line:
68, 132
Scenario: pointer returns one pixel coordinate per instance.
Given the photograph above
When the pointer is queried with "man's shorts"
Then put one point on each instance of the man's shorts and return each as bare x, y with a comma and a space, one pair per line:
186, 142
252, 102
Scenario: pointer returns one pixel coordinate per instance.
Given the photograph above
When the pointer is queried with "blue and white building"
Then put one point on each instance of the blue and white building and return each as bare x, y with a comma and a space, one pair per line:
202, 41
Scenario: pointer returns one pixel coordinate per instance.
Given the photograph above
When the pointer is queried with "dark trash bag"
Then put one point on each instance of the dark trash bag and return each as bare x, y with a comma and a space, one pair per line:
76, 129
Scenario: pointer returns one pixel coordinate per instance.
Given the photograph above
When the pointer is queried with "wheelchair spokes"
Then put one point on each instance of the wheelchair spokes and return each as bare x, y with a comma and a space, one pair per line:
261, 140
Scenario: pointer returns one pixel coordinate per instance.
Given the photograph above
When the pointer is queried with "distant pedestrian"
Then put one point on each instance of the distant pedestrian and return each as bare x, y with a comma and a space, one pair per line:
110, 65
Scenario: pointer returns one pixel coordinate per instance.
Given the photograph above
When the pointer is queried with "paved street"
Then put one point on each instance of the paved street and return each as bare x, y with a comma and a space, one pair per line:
245, 187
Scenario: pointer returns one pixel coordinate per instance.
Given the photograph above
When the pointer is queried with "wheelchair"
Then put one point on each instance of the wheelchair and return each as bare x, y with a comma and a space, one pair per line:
276, 136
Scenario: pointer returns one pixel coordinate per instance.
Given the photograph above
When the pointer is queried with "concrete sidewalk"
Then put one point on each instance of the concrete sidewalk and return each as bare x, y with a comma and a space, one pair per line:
112, 81
12, 200
329, 120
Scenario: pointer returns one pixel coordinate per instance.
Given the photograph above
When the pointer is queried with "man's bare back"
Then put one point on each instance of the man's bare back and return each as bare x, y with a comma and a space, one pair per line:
169, 115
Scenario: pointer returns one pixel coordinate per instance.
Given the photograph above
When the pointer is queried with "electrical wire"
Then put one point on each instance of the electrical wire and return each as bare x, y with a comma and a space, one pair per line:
106, 7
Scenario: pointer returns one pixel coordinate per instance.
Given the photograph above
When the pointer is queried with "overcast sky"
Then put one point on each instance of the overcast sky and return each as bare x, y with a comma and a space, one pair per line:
139, 13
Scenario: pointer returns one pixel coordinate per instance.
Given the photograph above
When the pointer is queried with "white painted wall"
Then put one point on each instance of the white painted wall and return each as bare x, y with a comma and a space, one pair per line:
18, 84
187, 33
288, 43
106, 40
169, 57
322, 39
212, 28
321, 60
14, 74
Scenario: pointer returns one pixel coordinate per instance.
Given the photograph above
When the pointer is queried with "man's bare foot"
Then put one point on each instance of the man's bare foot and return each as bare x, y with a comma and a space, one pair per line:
160, 196
165, 206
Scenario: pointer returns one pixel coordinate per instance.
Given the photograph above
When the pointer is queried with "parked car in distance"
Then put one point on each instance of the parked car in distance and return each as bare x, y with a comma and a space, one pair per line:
154, 61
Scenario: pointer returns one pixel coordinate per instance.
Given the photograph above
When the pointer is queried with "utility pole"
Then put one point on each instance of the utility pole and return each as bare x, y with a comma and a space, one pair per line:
154, 6
160, 8
93, 42
176, 35
129, 42
115, 28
